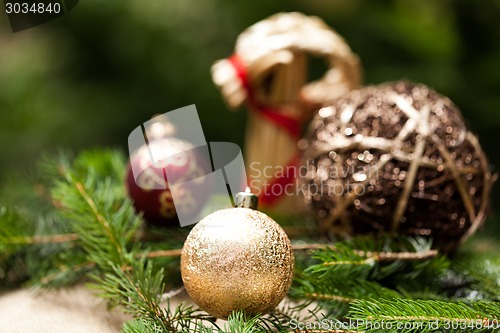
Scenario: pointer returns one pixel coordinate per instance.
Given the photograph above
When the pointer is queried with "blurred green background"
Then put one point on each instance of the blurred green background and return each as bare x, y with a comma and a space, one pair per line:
90, 77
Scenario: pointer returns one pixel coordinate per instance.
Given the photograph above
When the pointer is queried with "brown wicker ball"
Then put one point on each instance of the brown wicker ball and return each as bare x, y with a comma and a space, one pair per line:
395, 158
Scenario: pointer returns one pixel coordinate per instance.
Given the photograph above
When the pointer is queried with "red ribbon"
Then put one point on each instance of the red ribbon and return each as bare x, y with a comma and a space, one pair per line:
272, 114
292, 126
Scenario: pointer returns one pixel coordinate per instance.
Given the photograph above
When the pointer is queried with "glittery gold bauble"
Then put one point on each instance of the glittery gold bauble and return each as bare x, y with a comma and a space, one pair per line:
237, 259
396, 158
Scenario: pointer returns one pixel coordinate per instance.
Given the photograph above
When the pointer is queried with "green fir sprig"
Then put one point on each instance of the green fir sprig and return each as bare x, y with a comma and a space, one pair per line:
403, 315
367, 257
92, 232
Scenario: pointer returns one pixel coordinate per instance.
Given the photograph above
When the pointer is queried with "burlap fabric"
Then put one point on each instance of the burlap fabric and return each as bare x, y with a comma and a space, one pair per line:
70, 310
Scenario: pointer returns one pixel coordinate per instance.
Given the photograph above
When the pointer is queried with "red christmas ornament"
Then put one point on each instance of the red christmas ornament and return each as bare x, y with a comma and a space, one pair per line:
182, 163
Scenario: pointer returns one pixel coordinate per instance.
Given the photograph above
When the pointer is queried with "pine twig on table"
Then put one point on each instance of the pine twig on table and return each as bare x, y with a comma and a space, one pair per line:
43, 239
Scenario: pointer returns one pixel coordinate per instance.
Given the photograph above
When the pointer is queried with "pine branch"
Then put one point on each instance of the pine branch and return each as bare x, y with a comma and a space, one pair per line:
348, 271
336, 295
102, 242
104, 220
12, 225
26, 258
42, 239
66, 275
363, 258
401, 315
141, 325
341, 291
106, 225
484, 270
237, 322
137, 290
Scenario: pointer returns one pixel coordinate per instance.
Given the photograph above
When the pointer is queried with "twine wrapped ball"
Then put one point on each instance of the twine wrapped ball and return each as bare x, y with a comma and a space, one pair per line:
395, 158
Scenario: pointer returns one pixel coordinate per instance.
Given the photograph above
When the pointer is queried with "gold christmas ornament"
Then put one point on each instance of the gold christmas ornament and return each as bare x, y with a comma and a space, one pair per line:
396, 158
237, 259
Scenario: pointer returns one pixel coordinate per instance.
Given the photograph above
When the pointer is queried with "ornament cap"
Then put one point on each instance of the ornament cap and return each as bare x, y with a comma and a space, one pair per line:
160, 128
246, 199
